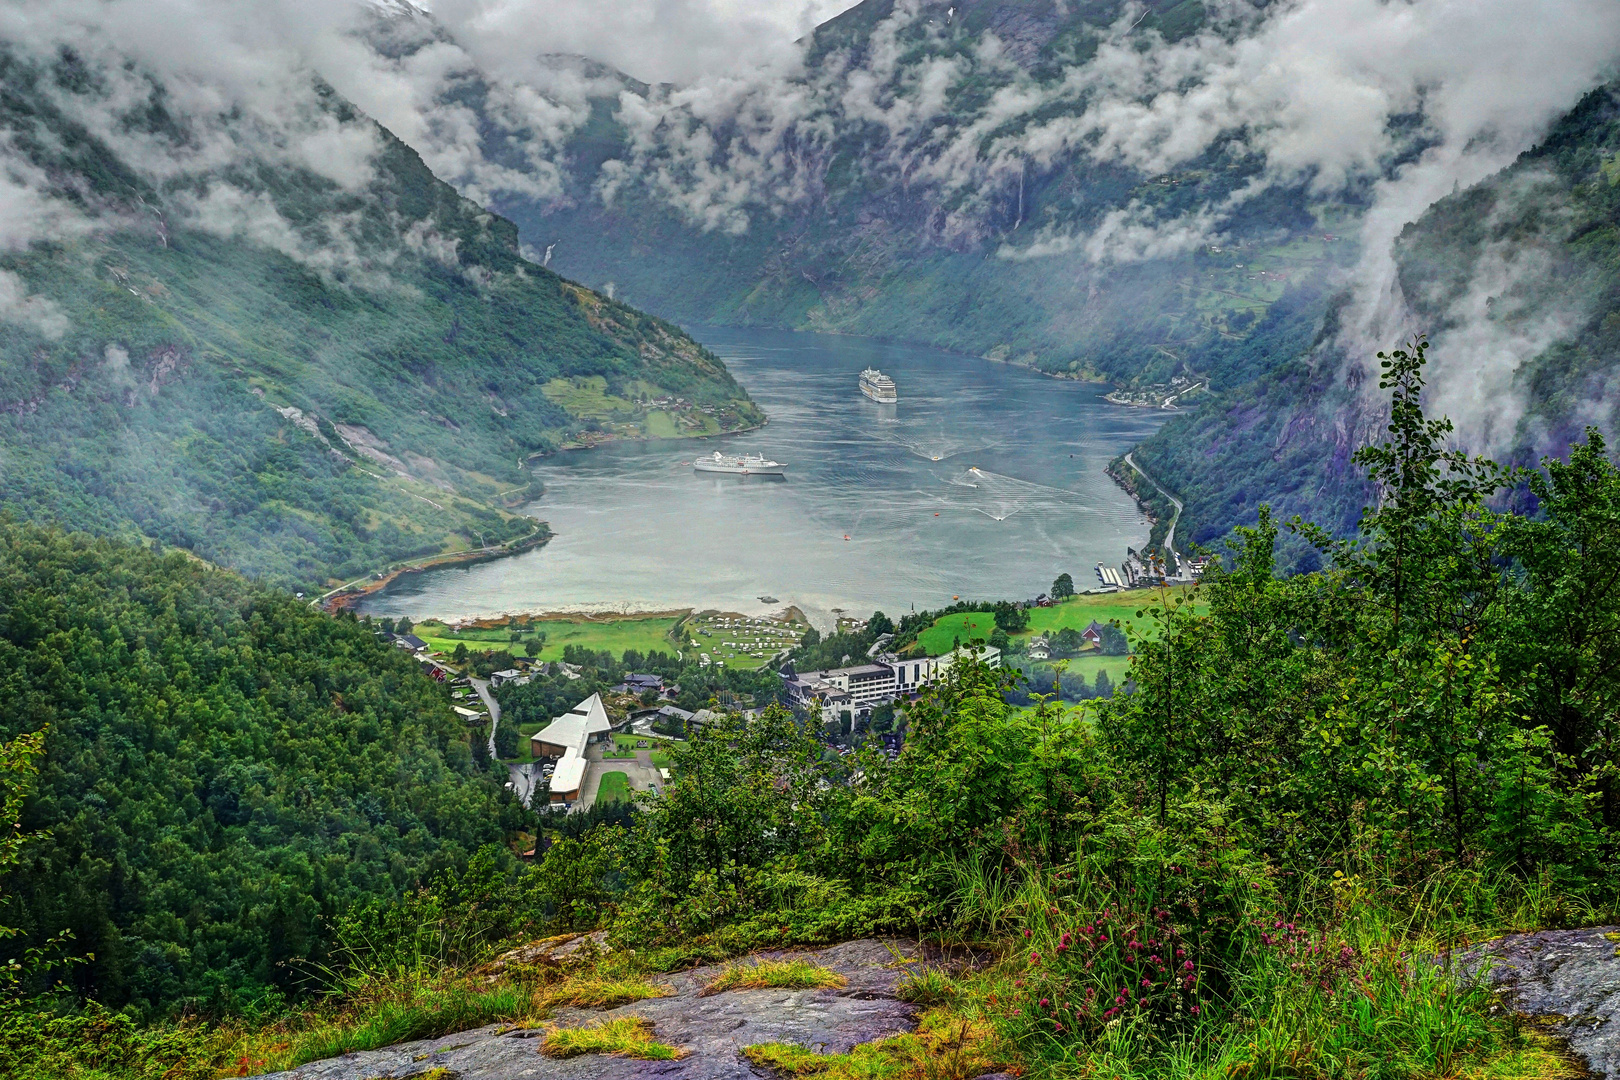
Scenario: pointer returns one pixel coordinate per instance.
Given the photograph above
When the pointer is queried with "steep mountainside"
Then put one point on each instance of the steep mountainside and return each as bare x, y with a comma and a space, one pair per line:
1526, 263
929, 175
301, 359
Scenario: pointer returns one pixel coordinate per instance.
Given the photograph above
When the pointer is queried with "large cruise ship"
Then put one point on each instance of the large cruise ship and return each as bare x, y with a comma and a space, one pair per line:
745, 465
878, 386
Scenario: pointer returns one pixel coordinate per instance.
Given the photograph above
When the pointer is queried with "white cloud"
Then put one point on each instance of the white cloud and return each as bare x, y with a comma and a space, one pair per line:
22, 308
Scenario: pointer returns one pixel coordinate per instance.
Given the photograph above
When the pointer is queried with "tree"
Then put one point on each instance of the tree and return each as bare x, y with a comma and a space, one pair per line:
1063, 587
460, 655
402, 625
1067, 641
531, 648
878, 624
1112, 641
1000, 640
507, 739
1011, 617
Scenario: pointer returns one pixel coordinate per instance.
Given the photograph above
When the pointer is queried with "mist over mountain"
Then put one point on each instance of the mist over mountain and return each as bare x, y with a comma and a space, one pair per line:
242, 318
1109, 190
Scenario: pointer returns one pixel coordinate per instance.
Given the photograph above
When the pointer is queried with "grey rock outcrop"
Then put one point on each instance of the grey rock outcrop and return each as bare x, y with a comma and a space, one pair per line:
712, 1029
1571, 977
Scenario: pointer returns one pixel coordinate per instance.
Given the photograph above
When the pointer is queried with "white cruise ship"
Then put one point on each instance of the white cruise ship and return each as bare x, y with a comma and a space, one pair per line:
745, 465
878, 386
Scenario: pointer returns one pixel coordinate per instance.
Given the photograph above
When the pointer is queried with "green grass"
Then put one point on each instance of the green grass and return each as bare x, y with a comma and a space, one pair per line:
525, 747
614, 787
1077, 612
601, 993
660, 425
783, 974
586, 395
1087, 666
426, 1012
661, 760
629, 1036
606, 633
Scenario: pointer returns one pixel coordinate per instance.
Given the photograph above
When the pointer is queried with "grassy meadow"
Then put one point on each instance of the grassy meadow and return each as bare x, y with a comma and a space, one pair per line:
603, 633
1076, 612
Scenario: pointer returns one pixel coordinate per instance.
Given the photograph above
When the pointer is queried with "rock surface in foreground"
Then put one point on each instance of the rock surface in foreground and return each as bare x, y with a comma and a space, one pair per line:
1569, 976
711, 1029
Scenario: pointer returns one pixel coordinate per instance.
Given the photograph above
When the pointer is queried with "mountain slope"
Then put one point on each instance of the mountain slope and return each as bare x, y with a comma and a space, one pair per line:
226, 772
302, 374
1525, 264
926, 175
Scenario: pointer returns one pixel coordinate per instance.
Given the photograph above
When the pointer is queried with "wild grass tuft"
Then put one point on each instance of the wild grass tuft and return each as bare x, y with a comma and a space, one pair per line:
944, 1047
628, 1036
599, 993
402, 1015
775, 974
930, 986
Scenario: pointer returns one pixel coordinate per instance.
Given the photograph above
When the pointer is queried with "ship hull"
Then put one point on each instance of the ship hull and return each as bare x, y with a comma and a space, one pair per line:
890, 398
739, 470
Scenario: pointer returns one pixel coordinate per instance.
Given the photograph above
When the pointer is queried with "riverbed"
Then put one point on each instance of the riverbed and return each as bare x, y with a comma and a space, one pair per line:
985, 481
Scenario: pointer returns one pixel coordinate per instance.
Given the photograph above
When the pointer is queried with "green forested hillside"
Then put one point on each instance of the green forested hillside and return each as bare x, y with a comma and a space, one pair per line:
299, 378
225, 771
1266, 857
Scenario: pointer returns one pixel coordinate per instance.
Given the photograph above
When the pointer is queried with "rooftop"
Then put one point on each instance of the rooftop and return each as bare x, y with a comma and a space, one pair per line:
570, 772
574, 728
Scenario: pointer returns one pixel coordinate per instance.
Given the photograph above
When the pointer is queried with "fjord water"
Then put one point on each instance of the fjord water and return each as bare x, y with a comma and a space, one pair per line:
985, 481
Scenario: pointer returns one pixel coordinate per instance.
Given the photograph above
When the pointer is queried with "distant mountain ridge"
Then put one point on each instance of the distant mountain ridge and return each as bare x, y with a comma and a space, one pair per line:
843, 216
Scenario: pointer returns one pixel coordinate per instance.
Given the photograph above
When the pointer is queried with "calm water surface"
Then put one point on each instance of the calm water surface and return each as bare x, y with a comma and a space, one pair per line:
985, 481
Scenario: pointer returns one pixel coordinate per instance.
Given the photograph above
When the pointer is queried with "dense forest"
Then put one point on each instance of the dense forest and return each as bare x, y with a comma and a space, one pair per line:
1256, 857
225, 770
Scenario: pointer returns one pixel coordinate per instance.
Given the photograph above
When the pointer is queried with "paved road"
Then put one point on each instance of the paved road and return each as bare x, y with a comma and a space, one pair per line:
525, 778
1170, 534
482, 686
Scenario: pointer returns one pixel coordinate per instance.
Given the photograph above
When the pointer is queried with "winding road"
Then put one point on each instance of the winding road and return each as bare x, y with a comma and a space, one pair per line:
482, 686
1170, 534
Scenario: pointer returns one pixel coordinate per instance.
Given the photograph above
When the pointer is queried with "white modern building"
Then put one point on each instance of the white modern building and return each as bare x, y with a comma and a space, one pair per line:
565, 739
852, 691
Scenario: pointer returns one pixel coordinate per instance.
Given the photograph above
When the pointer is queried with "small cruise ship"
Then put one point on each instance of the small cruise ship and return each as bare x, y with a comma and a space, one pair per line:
878, 386
743, 465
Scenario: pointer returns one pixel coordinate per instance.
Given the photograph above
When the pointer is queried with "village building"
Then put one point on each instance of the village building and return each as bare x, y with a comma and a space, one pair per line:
565, 739
845, 693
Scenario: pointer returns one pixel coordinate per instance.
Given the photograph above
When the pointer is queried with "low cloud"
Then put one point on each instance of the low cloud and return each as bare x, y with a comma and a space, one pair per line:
21, 308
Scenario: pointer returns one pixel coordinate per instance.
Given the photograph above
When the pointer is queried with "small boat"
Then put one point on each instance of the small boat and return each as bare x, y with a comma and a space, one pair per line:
739, 465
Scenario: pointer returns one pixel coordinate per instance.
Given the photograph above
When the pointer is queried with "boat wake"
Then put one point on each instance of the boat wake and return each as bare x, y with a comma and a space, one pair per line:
1000, 497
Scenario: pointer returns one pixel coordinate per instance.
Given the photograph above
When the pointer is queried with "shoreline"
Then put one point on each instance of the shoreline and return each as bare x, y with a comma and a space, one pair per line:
347, 594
